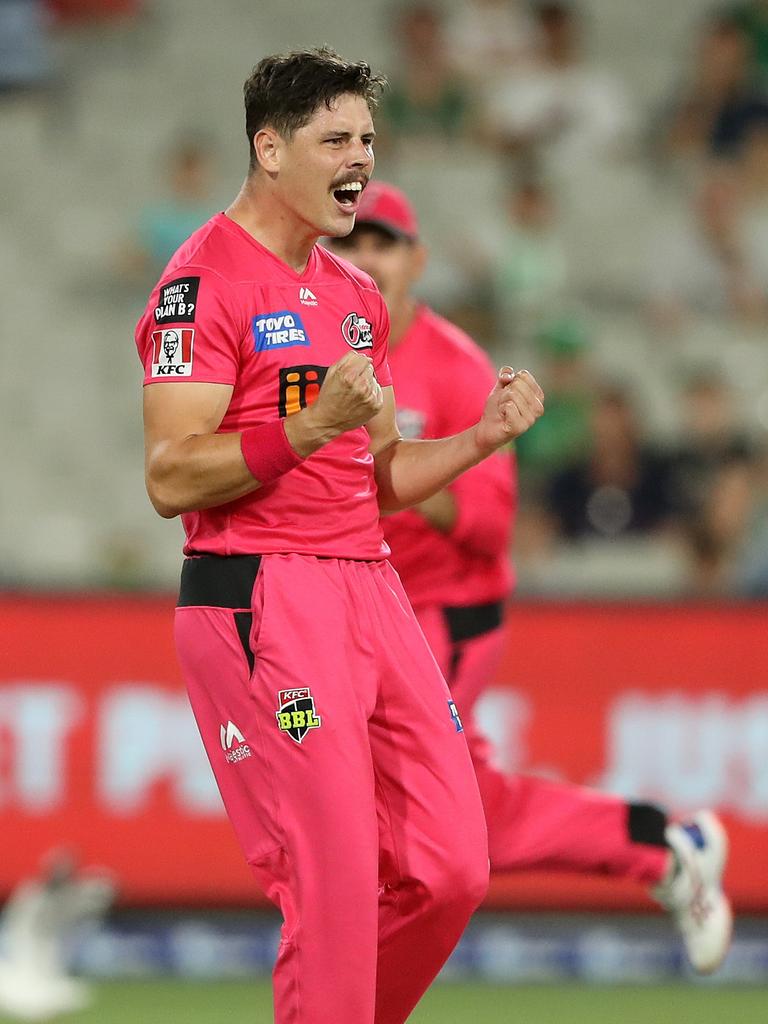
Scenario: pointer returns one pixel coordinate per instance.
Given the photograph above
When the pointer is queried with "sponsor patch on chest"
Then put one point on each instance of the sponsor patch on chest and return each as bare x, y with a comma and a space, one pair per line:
299, 387
282, 329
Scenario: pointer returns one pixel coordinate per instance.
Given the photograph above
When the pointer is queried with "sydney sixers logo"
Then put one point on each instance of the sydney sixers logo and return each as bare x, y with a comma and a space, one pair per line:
356, 331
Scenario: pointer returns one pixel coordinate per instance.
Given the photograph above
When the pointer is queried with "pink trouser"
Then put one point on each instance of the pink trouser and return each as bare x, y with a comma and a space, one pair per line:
339, 758
534, 823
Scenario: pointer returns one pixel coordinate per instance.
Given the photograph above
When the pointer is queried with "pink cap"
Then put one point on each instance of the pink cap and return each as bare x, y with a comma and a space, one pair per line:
387, 207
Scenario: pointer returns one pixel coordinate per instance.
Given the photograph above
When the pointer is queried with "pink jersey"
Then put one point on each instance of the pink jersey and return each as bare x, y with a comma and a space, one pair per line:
228, 311
442, 380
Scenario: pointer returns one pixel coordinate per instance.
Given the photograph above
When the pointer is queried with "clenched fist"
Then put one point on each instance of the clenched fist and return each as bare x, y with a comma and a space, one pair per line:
513, 406
350, 395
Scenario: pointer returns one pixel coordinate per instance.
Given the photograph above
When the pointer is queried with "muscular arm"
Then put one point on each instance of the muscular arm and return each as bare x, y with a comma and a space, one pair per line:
408, 472
188, 466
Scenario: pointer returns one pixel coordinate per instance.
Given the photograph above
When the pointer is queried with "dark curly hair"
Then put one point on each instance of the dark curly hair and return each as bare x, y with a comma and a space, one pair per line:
285, 89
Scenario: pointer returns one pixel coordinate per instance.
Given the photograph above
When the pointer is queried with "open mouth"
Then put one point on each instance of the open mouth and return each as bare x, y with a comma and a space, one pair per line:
348, 195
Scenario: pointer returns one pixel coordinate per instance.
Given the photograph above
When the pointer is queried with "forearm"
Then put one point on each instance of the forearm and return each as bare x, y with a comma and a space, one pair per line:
409, 472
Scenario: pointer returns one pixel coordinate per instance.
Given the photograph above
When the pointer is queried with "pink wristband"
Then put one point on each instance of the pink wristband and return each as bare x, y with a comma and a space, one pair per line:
267, 451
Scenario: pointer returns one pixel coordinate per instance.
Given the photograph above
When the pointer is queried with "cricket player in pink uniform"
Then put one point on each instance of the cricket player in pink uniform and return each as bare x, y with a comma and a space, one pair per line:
270, 428
452, 554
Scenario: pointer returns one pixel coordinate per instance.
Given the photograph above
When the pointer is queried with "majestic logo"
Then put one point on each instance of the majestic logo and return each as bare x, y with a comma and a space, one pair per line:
177, 301
233, 743
172, 352
455, 716
299, 387
306, 297
356, 331
296, 713
283, 329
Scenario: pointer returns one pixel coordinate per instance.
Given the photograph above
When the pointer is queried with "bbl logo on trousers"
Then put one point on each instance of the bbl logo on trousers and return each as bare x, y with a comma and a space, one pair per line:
296, 714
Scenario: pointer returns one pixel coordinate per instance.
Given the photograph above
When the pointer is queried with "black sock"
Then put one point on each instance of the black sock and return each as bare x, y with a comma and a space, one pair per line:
646, 824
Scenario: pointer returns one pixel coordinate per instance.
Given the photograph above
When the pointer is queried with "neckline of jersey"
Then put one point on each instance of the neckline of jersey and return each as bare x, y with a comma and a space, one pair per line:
234, 228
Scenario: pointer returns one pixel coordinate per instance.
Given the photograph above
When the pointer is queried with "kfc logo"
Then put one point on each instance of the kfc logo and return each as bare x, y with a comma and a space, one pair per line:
172, 352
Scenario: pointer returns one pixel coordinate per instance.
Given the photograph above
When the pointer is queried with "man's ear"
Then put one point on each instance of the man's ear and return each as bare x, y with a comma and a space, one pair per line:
268, 146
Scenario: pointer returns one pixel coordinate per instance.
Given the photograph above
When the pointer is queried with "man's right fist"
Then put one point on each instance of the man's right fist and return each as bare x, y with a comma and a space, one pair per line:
350, 395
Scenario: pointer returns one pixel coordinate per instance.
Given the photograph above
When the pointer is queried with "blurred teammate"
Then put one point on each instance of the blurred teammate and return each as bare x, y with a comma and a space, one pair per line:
270, 427
451, 552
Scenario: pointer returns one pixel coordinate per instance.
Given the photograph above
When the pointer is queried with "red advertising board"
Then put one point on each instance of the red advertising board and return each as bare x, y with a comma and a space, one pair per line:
99, 752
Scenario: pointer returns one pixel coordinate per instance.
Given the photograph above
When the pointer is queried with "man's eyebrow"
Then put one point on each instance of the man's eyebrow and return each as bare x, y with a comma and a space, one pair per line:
332, 133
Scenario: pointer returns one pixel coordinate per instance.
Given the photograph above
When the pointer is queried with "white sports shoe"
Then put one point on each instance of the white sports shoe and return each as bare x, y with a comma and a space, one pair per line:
694, 895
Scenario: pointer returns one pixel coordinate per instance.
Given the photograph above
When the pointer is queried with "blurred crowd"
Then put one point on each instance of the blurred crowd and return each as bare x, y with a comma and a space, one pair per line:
517, 84
29, 32
567, 217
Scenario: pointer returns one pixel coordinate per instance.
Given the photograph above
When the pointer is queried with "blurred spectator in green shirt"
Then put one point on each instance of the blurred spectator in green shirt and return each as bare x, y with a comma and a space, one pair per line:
529, 275
565, 436
168, 221
426, 99
753, 19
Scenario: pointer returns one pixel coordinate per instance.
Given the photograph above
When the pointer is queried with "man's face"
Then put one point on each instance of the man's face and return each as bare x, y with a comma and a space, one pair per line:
395, 264
333, 149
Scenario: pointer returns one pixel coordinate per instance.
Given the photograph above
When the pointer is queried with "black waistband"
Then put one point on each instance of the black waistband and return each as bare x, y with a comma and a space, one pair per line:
218, 581
468, 621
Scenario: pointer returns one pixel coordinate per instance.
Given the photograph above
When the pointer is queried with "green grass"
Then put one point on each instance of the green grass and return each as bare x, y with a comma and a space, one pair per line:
168, 1002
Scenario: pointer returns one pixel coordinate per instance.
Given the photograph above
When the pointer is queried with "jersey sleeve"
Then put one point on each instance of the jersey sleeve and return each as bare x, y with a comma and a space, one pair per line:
189, 330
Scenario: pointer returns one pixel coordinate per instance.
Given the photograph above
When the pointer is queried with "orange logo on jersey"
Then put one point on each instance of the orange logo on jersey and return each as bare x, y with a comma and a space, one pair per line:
299, 387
